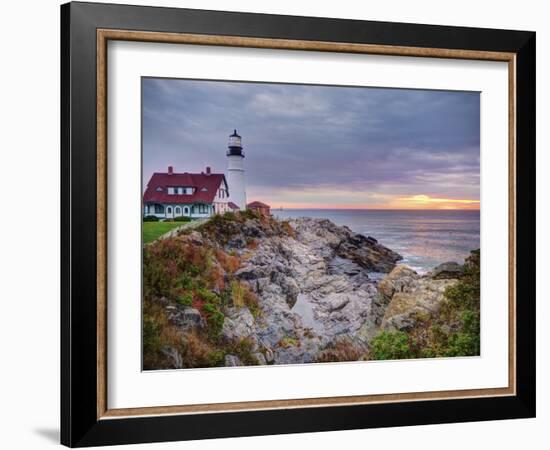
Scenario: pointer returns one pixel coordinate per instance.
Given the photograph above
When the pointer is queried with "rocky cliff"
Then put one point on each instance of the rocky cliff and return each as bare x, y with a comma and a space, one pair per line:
296, 291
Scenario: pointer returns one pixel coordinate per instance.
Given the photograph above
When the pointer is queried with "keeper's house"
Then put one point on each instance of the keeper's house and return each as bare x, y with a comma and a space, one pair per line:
196, 195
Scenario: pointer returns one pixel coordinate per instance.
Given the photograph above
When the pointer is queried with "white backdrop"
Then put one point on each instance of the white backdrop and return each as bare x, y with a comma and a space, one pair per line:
29, 330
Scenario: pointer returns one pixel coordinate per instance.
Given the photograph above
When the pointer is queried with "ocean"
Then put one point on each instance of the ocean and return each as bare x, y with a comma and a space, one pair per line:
424, 238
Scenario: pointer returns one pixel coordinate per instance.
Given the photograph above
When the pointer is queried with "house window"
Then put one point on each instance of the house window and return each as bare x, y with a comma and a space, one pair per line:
203, 209
178, 211
169, 210
159, 209
159, 189
186, 210
170, 191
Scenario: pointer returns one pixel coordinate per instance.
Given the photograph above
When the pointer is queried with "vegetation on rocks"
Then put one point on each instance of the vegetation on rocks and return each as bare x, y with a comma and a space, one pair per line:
453, 331
247, 289
189, 284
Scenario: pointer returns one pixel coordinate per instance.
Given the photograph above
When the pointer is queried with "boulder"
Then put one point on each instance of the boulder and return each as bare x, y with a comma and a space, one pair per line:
232, 361
260, 358
398, 280
173, 357
448, 270
413, 296
185, 318
334, 240
289, 287
341, 266
239, 324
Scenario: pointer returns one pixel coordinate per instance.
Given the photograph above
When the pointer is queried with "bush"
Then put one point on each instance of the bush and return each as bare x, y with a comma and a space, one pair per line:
455, 330
150, 219
237, 294
182, 219
185, 299
390, 345
214, 319
242, 296
340, 350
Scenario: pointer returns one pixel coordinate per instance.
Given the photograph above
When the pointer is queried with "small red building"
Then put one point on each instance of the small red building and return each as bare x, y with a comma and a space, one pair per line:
260, 207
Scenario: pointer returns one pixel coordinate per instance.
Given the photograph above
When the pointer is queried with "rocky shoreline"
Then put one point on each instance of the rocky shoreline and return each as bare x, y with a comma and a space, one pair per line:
315, 298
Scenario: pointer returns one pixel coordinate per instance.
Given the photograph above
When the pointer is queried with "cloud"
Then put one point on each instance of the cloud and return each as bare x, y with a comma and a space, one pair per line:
305, 139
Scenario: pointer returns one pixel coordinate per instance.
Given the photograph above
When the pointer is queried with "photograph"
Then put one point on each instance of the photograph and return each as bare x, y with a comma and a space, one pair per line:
300, 224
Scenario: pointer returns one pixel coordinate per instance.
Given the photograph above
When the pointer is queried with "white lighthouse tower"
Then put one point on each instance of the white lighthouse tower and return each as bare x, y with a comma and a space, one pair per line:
235, 171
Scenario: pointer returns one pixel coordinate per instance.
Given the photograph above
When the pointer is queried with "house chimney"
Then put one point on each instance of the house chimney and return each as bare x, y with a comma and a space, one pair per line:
170, 170
207, 170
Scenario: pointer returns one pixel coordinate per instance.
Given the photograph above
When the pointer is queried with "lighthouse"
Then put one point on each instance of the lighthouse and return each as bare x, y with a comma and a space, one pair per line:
235, 171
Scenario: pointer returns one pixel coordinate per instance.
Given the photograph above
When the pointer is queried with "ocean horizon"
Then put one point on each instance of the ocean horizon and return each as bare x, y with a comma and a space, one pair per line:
425, 238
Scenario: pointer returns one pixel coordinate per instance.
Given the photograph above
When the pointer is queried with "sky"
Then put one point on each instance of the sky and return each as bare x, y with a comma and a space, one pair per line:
309, 146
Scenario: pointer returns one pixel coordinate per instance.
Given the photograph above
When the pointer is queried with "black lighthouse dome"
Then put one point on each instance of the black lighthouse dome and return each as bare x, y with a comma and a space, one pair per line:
235, 146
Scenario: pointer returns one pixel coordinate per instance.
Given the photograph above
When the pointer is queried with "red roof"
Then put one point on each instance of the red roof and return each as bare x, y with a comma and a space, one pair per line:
257, 205
206, 187
232, 205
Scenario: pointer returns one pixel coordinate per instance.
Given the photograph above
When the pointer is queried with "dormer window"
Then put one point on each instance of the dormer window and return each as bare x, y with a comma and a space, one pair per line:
170, 191
204, 189
159, 189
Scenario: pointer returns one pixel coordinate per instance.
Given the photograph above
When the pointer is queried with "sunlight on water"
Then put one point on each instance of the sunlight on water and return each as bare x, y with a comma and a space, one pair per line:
424, 238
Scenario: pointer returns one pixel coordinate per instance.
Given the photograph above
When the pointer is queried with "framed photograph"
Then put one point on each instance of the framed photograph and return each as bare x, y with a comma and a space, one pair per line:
276, 224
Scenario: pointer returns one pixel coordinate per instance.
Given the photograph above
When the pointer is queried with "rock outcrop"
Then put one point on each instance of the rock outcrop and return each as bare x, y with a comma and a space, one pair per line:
409, 294
313, 287
315, 298
446, 271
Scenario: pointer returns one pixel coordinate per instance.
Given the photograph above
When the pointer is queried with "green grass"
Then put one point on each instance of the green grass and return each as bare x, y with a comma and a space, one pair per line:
153, 230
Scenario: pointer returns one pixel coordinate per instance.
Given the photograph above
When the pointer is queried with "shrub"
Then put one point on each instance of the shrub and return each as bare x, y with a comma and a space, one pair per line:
288, 341
340, 350
244, 350
151, 336
150, 219
390, 345
287, 228
249, 214
182, 219
216, 358
237, 294
157, 333
214, 319
229, 263
197, 352
185, 299
455, 330
242, 296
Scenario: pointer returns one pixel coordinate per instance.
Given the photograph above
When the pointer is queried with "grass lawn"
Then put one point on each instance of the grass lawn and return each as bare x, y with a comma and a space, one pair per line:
153, 230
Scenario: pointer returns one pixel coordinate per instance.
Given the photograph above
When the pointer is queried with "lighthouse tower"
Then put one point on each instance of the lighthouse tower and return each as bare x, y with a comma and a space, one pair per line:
235, 171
